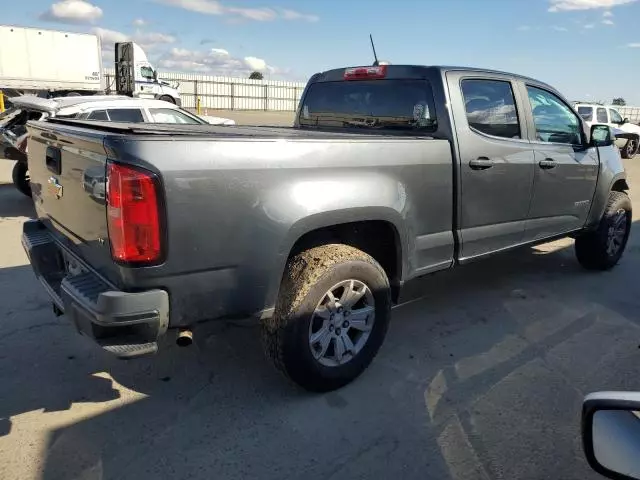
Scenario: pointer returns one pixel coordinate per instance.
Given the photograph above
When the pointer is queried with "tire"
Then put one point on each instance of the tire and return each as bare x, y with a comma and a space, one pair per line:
593, 248
309, 275
630, 149
167, 98
73, 94
20, 177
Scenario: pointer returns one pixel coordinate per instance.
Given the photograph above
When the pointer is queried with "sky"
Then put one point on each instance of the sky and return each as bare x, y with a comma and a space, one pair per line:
587, 49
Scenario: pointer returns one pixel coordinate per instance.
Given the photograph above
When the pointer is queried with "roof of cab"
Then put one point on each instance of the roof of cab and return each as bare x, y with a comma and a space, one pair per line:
408, 71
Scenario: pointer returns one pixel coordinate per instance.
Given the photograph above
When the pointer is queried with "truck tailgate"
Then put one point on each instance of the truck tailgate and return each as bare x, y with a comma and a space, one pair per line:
68, 181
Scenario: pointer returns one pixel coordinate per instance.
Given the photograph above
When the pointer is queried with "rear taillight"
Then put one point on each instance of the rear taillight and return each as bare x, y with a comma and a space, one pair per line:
365, 73
133, 216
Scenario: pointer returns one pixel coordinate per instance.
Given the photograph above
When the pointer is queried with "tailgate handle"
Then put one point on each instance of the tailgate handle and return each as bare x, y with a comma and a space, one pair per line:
54, 160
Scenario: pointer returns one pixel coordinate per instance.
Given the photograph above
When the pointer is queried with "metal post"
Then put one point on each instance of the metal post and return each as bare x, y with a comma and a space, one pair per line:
295, 98
233, 96
195, 94
1, 101
266, 98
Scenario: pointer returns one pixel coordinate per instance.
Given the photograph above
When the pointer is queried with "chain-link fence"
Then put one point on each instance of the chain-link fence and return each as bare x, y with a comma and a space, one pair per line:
229, 93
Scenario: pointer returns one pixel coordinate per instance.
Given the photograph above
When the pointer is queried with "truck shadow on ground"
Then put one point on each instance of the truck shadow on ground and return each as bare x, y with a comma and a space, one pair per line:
481, 378
13, 203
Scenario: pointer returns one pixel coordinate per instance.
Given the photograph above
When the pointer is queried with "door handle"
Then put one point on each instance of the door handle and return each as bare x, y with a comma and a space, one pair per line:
547, 163
53, 160
481, 163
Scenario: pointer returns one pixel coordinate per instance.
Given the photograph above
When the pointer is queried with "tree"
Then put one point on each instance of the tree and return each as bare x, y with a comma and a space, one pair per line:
256, 76
619, 101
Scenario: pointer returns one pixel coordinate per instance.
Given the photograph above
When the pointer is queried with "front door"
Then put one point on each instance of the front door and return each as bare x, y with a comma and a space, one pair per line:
496, 162
566, 171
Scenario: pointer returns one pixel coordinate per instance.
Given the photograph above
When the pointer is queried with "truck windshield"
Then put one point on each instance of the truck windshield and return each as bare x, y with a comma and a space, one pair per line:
371, 104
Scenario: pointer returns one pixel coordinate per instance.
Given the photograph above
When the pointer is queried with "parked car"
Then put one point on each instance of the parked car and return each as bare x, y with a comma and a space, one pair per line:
627, 134
97, 107
389, 173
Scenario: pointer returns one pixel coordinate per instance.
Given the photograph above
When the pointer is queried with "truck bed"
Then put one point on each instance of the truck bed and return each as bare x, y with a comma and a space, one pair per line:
232, 132
236, 199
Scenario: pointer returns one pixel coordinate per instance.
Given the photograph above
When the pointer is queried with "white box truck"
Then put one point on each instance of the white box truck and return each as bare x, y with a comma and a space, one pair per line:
34, 60
52, 63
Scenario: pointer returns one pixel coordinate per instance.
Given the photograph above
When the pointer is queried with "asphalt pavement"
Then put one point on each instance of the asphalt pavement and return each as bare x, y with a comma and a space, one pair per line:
483, 378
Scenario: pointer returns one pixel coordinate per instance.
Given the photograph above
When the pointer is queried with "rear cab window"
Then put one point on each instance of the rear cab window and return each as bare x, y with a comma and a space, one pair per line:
601, 115
371, 104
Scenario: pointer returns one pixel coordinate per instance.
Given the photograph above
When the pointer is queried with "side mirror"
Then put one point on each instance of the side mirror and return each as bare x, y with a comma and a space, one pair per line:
625, 120
155, 75
601, 136
611, 433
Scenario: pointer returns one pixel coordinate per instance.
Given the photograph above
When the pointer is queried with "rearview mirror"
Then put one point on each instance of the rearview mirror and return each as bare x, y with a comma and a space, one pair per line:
601, 136
611, 433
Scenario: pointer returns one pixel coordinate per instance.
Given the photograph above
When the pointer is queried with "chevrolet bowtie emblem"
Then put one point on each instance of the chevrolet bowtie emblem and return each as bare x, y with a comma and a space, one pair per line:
54, 187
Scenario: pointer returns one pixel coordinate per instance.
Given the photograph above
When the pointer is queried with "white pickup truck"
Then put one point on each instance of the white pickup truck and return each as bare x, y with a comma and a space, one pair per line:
627, 133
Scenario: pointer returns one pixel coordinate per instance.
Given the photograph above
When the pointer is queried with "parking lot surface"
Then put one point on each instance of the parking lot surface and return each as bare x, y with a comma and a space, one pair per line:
482, 378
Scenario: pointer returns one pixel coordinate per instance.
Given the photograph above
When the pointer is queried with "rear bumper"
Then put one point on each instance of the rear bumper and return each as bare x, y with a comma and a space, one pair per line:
125, 324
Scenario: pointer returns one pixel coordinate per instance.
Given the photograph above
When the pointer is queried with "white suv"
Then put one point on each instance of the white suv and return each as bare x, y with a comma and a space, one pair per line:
627, 134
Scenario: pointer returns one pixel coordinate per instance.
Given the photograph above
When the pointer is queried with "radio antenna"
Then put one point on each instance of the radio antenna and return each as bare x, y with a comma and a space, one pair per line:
373, 47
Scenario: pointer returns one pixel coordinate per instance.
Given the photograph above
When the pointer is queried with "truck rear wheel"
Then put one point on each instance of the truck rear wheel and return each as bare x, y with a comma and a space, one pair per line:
331, 317
20, 177
602, 248
167, 98
630, 149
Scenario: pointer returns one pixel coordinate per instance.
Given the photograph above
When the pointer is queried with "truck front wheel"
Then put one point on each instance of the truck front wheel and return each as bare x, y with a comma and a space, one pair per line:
630, 149
167, 98
20, 177
331, 317
602, 248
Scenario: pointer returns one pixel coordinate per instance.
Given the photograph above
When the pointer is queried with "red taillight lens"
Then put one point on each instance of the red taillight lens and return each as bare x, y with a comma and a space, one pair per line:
132, 215
365, 73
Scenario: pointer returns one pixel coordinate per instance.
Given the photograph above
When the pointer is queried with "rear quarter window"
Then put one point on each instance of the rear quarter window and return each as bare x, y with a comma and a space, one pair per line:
126, 115
586, 113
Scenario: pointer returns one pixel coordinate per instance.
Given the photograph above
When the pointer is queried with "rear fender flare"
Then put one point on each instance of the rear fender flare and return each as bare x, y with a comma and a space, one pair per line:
330, 219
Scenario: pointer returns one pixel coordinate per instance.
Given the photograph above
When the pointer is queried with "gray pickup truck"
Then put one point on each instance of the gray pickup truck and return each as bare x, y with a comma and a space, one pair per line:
389, 173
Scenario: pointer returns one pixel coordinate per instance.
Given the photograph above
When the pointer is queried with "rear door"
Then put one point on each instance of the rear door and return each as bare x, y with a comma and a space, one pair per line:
566, 170
496, 161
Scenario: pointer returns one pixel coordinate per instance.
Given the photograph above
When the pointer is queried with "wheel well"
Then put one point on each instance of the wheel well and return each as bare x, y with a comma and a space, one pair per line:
378, 238
620, 186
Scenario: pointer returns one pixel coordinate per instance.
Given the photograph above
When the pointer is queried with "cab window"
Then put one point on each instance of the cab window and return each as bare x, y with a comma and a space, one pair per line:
586, 113
126, 115
555, 122
98, 115
615, 116
169, 115
601, 115
491, 107
147, 72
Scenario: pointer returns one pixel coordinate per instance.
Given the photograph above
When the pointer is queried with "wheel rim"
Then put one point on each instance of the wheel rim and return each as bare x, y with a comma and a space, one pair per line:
341, 323
617, 232
631, 147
